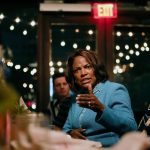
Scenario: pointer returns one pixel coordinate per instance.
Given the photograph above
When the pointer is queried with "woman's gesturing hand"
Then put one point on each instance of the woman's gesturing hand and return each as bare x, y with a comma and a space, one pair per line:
78, 134
89, 100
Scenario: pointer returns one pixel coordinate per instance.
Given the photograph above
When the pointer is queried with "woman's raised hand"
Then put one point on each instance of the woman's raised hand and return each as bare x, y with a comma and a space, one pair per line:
89, 100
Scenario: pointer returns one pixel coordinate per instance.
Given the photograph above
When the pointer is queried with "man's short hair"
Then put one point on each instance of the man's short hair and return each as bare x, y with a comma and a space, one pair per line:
58, 75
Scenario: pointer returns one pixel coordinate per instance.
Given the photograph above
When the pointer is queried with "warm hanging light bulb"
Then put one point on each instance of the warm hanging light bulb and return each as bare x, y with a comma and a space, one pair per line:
2, 16
17, 20
32, 23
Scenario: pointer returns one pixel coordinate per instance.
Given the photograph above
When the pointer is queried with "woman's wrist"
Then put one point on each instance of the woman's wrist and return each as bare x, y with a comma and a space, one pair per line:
100, 108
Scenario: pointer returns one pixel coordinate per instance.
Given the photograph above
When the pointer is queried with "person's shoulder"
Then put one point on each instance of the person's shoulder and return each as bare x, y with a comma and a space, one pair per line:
114, 85
54, 101
73, 96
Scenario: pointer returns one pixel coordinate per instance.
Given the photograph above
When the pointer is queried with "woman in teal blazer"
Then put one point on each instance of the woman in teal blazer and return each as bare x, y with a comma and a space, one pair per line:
101, 110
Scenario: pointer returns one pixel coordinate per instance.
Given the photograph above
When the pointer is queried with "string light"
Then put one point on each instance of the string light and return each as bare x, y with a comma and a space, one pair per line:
147, 49
24, 85
130, 34
2, 16
75, 45
33, 71
77, 30
10, 64
12, 27
33, 105
59, 63
17, 67
33, 23
126, 48
25, 32
117, 47
117, 61
142, 49
131, 65
51, 73
51, 63
137, 53
25, 69
131, 51
127, 57
121, 54
21, 23
62, 30
17, 20
136, 46
62, 43
88, 47
30, 86
52, 69
90, 32
118, 33
61, 70
145, 44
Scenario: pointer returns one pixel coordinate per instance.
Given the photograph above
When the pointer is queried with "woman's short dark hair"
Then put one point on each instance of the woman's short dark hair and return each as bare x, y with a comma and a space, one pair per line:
91, 57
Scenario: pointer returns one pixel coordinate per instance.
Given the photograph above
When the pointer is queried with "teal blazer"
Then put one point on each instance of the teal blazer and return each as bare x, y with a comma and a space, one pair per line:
109, 125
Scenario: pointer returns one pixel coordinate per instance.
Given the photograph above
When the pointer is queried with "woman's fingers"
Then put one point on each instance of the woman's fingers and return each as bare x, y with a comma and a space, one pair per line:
78, 133
86, 100
90, 89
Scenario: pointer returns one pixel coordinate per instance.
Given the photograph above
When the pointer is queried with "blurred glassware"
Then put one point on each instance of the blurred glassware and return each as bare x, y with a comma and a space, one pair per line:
21, 133
34, 132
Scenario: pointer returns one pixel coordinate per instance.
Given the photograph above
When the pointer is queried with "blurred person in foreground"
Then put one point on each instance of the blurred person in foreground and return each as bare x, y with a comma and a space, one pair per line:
132, 141
8, 101
101, 110
61, 99
40, 138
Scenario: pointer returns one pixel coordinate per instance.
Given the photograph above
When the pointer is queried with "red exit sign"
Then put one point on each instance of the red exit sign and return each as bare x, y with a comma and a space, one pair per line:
105, 10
